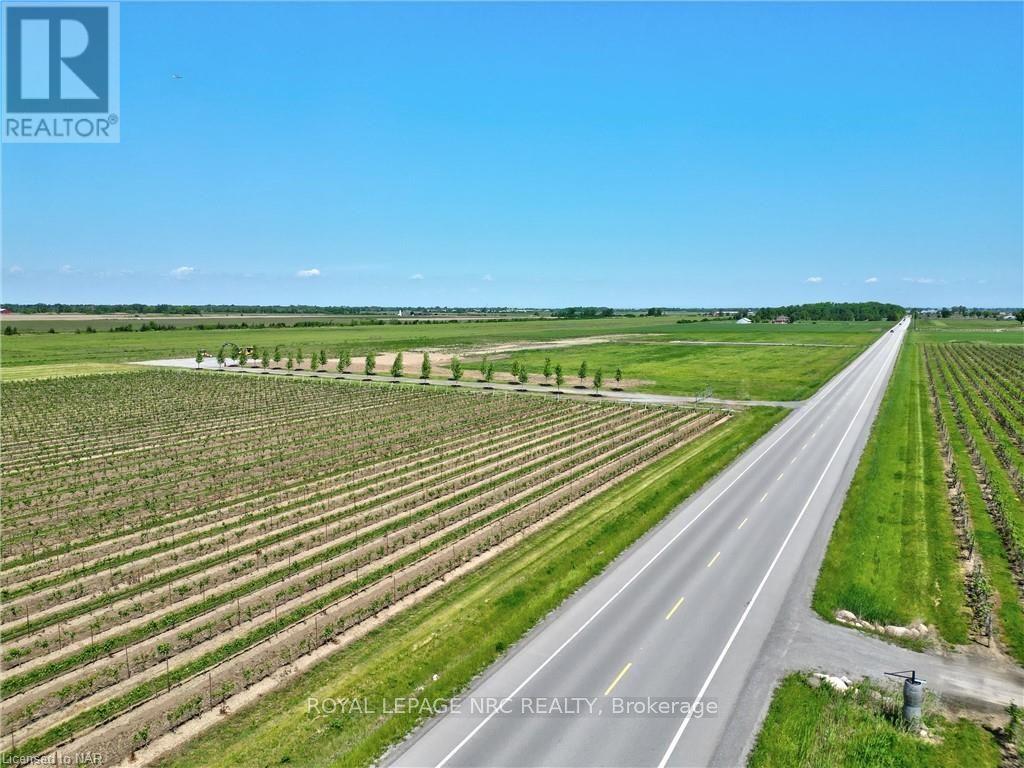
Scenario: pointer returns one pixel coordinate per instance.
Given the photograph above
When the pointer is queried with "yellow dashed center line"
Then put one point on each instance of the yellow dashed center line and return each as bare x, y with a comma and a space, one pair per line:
618, 677
743, 523
713, 559
674, 608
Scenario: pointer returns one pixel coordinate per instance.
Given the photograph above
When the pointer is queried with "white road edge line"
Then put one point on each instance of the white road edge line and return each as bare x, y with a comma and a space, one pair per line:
764, 579
848, 371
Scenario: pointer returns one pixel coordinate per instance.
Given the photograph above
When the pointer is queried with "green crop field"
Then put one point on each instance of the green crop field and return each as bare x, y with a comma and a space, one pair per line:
821, 728
957, 329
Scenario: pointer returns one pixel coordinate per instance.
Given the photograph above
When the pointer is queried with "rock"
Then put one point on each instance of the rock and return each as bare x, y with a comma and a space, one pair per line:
814, 681
847, 617
897, 631
837, 683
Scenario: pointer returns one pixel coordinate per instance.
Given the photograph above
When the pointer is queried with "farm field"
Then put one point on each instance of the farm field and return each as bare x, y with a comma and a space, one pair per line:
933, 526
955, 329
437, 647
821, 728
70, 322
732, 372
104, 346
146, 581
978, 400
781, 362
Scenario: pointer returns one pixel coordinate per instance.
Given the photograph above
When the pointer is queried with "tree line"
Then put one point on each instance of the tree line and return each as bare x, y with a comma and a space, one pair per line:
829, 310
236, 309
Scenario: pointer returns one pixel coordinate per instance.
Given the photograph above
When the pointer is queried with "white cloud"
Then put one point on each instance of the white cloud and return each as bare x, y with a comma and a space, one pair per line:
920, 280
66, 269
182, 272
417, 276
815, 280
487, 278
313, 272
871, 280
15, 270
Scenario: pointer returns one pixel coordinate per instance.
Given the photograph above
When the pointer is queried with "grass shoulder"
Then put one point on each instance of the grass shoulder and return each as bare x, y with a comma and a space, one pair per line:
807, 727
893, 554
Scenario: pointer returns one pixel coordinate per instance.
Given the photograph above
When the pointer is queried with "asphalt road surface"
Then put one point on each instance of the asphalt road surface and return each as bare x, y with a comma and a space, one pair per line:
645, 666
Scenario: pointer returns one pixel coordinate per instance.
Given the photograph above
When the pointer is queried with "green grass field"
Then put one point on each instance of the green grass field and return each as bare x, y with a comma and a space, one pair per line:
819, 728
463, 628
740, 372
953, 329
893, 554
104, 346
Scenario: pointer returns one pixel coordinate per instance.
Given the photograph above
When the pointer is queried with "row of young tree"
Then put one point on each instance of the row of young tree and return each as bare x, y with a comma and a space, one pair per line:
551, 370
317, 360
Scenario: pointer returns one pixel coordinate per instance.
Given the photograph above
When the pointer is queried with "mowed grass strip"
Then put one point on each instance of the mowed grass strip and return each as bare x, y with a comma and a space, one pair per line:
821, 728
457, 632
893, 556
26, 372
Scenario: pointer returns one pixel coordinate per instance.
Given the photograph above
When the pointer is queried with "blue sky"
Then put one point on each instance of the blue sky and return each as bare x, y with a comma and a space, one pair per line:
539, 155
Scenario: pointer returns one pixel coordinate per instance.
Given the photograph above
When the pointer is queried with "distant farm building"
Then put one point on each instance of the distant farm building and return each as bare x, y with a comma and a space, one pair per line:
744, 321
5, 311
781, 320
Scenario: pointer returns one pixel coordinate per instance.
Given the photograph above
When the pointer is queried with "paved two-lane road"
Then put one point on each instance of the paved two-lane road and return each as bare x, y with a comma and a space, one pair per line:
681, 617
